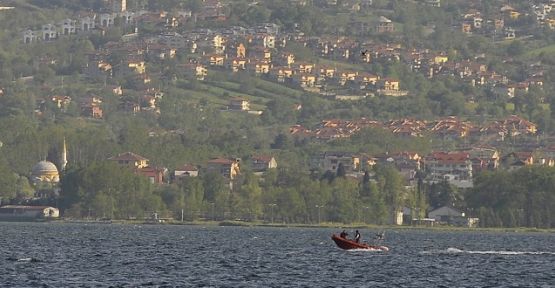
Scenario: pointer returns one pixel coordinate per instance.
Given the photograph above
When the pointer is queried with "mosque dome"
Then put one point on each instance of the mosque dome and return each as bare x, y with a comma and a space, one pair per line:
45, 171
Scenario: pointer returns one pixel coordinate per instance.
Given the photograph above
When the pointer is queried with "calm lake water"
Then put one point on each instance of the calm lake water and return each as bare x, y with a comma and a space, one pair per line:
113, 255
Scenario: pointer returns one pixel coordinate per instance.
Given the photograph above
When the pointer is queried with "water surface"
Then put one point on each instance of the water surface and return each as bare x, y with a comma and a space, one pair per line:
114, 255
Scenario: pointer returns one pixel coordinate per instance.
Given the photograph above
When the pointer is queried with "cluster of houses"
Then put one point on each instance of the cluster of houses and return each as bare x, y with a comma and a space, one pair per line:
261, 50
495, 24
456, 167
229, 168
446, 128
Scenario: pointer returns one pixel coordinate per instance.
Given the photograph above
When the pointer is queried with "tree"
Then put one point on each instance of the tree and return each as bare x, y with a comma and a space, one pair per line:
341, 170
8, 181
193, 195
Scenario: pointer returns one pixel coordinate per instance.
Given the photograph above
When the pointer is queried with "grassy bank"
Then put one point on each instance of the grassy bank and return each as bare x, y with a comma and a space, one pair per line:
324, 225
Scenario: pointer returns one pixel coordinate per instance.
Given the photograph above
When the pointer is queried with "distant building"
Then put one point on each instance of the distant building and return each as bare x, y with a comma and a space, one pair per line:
45, 171
130, 159
186, 171
451, 216
17, 212
239, 104
140, 166
262, 163
229, 168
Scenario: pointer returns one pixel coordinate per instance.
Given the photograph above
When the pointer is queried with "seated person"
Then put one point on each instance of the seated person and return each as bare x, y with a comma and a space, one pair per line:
343, 235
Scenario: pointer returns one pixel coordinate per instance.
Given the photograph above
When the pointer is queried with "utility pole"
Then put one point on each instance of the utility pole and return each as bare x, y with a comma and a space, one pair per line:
319, 206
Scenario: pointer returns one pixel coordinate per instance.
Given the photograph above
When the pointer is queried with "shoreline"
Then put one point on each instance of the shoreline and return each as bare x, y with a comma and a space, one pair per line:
313, 226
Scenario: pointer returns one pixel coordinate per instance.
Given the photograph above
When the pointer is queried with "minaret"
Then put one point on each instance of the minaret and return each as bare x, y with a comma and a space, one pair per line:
64, 157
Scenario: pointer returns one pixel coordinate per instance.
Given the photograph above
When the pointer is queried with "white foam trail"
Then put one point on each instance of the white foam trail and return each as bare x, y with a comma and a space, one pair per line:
452, 250
366, 250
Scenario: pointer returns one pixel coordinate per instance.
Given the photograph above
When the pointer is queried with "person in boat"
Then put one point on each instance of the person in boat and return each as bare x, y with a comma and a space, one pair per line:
343, 234
357, 236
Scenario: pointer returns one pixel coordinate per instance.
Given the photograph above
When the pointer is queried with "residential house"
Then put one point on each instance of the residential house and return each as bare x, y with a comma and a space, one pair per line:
433, 3
304, 67
304, 80
186, 170
156, 175
286, 59
216, 60
259, 67
69, 26
29, 36
87, 23
140, 166
128, 16
107, 20
453, 167
98, 68
389, 84
240, 51
483, 158
160, 51
91, 108
451, 128
281, 73
137, 66
239, 104
228, 168
326, 71
236, 64
265, 40
218, 43
131, 160
466, 27
510, 33
62, 102
517, 160
344, 76
195, 70
407, 163
385, 25
517, 126
261, 163
330, 161
49, 32
365, 79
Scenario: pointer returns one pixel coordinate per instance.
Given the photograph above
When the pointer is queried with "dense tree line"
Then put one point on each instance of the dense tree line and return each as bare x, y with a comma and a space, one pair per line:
524, 197
106, 190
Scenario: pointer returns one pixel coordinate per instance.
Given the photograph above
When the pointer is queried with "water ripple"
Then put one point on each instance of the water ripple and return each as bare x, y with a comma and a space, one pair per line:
74, 255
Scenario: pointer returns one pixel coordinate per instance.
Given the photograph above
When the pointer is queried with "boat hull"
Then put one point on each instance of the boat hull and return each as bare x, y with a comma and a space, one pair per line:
348, 244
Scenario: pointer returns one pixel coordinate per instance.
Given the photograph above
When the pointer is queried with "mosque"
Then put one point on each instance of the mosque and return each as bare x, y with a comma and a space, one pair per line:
46, 173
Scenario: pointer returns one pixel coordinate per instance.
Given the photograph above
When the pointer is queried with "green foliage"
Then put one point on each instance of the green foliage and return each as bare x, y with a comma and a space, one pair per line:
8, 181
104, 189
523, 197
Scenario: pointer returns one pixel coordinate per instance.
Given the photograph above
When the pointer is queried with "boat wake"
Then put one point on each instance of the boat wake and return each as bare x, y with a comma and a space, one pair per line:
366, 250
486, 252
26, 259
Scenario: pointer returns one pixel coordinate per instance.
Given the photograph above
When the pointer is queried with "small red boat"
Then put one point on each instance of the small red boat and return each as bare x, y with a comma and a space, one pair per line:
349, 244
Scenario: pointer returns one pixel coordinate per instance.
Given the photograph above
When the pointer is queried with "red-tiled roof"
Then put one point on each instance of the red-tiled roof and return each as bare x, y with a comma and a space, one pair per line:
128, 156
